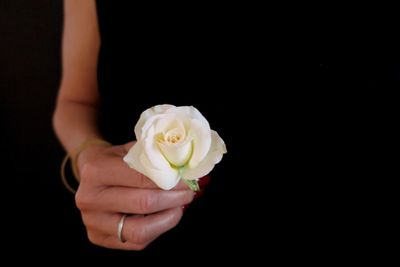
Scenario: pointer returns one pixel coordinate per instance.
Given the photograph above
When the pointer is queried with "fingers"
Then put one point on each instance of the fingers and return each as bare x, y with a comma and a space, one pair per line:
180, 186
128, 146
108, 187
108, 241
138, 230
113, 171
136, 201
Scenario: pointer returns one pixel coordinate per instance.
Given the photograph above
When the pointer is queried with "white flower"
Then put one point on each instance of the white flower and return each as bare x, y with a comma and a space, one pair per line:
173, 143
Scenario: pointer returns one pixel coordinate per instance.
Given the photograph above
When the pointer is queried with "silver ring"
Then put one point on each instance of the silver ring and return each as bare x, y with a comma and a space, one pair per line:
120, 226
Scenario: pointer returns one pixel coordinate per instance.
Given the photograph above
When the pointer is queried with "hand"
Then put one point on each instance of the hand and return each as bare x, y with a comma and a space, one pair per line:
109, 188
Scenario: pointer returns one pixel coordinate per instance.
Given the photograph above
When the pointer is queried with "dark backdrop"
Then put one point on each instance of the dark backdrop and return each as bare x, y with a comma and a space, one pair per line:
39, 215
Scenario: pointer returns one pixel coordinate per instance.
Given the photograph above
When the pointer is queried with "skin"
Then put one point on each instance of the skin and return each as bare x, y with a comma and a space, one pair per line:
108, 187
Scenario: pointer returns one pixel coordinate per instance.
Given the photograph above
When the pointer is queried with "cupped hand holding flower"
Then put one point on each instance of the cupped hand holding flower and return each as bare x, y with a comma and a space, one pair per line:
174, 143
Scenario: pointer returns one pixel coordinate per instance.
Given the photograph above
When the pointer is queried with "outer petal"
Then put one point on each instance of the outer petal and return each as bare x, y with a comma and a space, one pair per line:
165, 179
201, 134
188, 112
132, 158
148, 125
213, 157
147, 114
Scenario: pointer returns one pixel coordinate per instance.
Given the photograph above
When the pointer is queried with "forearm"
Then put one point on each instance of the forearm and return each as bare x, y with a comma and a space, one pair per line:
75, 122
75, 116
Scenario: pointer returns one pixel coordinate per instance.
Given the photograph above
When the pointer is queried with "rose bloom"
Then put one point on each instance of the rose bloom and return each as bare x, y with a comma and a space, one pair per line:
174, 143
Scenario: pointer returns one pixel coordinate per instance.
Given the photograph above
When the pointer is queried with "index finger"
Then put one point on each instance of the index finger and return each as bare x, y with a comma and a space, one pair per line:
118, 173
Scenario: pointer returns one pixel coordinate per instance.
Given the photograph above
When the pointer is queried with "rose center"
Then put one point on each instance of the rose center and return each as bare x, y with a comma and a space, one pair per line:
175, 146
174, 136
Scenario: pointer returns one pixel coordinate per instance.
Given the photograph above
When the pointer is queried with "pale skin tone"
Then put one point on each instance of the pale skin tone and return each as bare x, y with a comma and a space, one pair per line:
108, 187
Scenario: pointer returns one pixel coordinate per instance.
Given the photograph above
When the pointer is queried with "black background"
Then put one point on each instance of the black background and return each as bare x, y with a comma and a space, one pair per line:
39, 214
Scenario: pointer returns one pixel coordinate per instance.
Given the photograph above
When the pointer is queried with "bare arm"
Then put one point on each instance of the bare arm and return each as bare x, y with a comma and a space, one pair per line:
75, 115
108, 187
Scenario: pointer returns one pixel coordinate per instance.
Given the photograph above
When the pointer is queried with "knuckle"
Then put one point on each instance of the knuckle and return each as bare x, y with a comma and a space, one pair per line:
93, 238
88, 171
99, 239
82, 200
148, 202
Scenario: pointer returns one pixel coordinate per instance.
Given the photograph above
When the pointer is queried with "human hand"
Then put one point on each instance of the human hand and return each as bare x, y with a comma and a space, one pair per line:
109, 188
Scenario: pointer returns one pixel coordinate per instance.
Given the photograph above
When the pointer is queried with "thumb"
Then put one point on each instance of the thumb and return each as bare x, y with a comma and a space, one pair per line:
128, 145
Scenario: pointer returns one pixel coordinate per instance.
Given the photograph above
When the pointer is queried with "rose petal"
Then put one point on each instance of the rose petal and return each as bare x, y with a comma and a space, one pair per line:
154, 155
132, 158
187, 112
147, 114
201, 135
170, 136
144, 131
177, 154
168, 122
165, 179
213, 157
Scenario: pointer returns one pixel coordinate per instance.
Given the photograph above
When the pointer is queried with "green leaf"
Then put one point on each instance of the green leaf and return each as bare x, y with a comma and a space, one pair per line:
193, 184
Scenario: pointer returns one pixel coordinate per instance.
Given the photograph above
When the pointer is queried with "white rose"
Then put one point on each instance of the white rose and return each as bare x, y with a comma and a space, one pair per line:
173, 143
